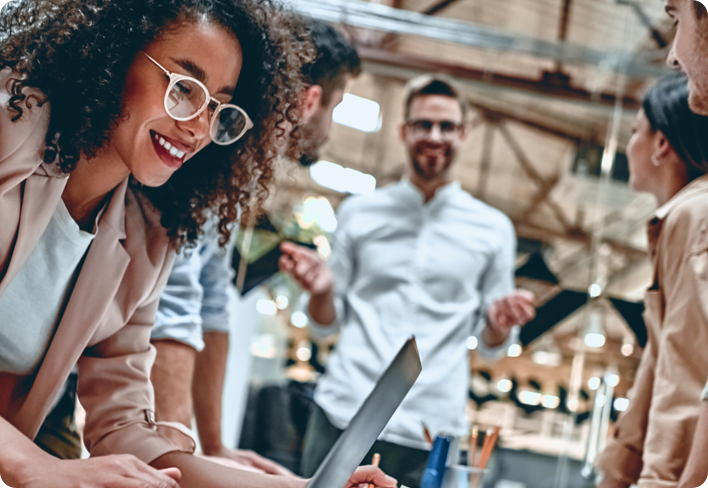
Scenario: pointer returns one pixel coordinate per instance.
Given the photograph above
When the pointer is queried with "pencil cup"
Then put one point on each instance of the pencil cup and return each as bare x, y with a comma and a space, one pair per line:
458, 476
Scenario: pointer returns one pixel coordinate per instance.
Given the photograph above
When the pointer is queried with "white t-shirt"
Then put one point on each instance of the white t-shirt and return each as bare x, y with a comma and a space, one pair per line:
402, 267
33, 303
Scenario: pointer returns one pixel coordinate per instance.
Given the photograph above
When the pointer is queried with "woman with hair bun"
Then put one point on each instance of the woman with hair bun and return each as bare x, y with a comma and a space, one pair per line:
668, 157
124, 126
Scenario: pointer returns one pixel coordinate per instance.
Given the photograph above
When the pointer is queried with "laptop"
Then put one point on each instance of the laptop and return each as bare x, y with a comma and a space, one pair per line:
368, 423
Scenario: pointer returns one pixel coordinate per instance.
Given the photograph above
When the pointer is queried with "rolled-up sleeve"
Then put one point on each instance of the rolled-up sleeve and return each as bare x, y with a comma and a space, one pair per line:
179, 312
622, 457
215, 278
342, 263
114, 387
497, 282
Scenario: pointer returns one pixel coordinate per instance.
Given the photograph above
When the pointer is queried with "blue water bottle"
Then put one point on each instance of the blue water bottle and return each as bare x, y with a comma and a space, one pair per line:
435, 469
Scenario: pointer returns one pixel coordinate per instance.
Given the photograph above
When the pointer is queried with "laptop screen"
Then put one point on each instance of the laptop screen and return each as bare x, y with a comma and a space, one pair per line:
368, 423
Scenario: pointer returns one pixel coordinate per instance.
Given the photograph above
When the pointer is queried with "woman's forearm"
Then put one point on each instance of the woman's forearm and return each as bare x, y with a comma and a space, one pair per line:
17, 454
198, 473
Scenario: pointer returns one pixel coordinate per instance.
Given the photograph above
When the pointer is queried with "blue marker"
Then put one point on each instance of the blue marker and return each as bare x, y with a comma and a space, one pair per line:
435, 469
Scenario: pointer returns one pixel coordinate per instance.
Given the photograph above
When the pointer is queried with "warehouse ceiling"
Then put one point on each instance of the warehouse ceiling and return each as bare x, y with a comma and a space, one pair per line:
552, 83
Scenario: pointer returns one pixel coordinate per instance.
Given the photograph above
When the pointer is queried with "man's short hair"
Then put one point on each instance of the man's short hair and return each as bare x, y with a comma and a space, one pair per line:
335, 58
433, 84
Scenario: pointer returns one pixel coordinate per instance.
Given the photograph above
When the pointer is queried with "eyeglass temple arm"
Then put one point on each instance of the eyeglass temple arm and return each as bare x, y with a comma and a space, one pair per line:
157, 64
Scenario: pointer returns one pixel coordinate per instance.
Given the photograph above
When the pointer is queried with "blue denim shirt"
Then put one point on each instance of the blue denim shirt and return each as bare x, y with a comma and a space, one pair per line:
196, 296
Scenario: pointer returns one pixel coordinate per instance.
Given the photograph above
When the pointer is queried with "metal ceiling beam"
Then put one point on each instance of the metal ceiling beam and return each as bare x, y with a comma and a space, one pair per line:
437, 7
486, 161
557, 130
391, 39
564, 19
544, 186
646, 21
563, 28
378, 60
381, 17
546, 235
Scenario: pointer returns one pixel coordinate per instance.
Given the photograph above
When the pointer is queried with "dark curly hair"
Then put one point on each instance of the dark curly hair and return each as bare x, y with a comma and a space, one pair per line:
77, 54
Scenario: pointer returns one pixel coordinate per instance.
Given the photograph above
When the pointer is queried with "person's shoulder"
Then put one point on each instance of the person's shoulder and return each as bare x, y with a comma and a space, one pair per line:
686, 224
23, 125
481, 210
30, 110
355, 204
691, 205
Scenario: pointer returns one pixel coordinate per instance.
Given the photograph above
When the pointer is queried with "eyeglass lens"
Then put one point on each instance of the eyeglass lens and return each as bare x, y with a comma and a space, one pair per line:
229, 125
186, 98
425, 126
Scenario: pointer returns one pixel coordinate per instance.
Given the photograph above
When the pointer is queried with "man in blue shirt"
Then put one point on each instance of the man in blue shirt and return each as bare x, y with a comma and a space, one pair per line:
191, 334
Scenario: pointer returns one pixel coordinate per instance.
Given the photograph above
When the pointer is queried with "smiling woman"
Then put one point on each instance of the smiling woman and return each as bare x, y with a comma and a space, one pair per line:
108, 111
83, 76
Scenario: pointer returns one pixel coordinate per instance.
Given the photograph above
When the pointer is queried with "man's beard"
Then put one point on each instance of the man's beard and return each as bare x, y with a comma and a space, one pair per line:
698, 74
312, 137
309, 158
430, 174
698, 94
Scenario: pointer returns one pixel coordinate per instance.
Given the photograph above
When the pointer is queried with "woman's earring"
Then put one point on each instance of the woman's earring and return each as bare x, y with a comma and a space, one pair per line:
655, 160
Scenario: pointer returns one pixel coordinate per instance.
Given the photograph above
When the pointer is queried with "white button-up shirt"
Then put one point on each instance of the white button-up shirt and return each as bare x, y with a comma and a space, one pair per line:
402, 267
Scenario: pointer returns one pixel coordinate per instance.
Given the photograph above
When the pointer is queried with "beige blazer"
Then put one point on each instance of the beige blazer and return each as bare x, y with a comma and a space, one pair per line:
653, 437
106, 325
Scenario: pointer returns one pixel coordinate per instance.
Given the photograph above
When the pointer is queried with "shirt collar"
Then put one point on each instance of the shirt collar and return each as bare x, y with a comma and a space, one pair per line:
699, 185
441, 195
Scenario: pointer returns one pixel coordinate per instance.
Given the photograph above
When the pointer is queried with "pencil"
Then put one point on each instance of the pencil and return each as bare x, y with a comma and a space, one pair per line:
488, 446
485, 444
472, 452
375, 460
428, 437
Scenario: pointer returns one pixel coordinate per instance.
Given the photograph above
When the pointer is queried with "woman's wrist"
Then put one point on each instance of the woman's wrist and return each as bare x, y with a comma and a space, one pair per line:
17, 468
299, 482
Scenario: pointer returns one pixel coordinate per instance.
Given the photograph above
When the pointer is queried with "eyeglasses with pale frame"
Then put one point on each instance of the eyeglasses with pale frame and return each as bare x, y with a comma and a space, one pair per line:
186, 98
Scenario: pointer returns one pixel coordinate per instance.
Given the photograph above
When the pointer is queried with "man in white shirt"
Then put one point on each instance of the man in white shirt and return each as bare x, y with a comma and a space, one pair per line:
689, 53
418, 257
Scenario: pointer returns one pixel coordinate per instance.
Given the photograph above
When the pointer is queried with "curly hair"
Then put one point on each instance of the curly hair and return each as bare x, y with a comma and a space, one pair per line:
77, 54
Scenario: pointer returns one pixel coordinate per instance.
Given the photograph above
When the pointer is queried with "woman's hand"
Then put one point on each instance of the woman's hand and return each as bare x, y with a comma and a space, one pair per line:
248, 461
365, 475
117, 471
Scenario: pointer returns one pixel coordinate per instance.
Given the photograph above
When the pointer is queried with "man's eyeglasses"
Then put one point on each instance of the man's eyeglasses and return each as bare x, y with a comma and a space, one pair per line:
186, 98
423, 127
